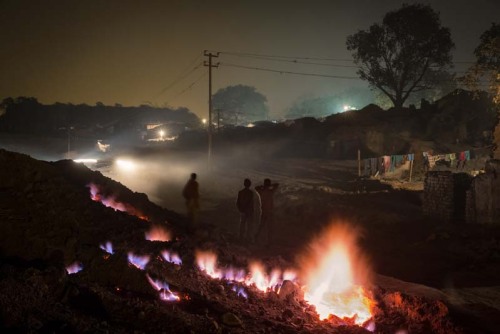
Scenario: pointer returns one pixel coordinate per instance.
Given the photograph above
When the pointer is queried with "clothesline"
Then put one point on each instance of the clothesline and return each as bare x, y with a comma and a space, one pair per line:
388, 163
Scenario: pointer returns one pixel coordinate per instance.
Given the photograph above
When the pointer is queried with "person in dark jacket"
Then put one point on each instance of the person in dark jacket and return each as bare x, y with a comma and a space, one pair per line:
248, 204
266, 192
191, 194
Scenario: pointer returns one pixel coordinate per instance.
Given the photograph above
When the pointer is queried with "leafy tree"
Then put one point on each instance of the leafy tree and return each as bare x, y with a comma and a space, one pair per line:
487, 64
445, 83
400, 56
487, 68
239, 104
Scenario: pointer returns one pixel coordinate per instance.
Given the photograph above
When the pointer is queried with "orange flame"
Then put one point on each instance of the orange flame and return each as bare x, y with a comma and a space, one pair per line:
158, 233
334, 272
111, 202
258, 277
207, 262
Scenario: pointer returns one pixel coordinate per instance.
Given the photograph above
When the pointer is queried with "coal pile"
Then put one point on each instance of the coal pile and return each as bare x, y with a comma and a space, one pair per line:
71, 264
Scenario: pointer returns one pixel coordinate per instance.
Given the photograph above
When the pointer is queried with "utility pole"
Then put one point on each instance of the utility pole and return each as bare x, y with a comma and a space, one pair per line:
69, 142
210, 65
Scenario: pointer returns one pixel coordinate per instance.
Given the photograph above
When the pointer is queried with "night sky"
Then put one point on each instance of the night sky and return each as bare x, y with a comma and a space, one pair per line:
140, 52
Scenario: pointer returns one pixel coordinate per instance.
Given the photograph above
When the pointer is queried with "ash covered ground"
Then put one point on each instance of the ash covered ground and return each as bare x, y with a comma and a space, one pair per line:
49, 221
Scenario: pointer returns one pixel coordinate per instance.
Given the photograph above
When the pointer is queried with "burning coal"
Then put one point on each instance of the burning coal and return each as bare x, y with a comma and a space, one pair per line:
138, 261
171, 257
257, 276
334, 274
107, 247
74, 268
158, 233
163, 288
111, 202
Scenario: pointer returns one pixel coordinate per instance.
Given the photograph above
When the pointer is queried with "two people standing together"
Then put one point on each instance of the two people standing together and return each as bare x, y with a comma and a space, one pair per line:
255, 205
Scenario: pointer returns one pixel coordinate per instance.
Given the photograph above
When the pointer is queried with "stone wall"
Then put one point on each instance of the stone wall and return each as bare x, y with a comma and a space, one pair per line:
496, 141
483, 197
445, 195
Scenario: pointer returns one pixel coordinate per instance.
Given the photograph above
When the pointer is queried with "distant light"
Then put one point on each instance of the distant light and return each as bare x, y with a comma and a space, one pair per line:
204, 121
161, 133
250, 125
126, 165
102, 147
85, 161
348, 107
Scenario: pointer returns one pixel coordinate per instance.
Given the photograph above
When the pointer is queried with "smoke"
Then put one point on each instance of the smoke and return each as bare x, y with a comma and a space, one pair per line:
161, 175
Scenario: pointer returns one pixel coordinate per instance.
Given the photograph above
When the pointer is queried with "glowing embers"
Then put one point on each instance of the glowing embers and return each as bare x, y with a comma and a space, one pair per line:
240, 291
158, 233
265, 282
163, 288
111, 202
74, 268
207, 262
138, 261
171, 257
107, 247
333, 272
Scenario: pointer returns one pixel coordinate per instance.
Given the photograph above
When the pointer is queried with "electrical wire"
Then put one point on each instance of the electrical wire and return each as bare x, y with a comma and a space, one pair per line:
257, 55
190, 86
286, 72
282, 57
182, 76
295, 61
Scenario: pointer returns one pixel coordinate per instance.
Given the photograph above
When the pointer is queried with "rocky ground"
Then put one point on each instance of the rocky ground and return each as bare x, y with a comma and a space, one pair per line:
49, 221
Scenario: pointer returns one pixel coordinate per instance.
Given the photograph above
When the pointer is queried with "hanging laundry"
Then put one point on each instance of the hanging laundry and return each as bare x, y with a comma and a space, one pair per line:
432, 160
387, 163
467, 155
398, 160
392, 163
366, 170
380, 165
373, 166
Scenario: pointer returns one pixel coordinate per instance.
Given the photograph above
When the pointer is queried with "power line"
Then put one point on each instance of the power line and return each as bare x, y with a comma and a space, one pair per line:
182, 76
287, 72
282, 57
190, 86
295, 61
297, 73
257, 55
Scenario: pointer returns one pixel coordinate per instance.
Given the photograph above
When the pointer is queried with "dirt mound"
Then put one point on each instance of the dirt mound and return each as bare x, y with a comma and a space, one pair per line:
71, 264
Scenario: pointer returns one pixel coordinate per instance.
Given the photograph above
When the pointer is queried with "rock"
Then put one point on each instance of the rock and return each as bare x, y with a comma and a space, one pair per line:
231, 320
287, 314
290, 290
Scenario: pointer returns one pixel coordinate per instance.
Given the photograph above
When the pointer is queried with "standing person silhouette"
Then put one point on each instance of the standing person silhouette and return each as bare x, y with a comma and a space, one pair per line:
248, 204
266, 192
191, 194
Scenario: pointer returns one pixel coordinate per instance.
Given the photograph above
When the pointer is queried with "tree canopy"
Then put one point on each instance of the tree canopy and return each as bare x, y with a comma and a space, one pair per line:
239, 104
487, 66
404, 53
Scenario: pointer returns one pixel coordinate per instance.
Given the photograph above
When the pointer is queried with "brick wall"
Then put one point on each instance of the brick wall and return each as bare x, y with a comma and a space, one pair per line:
445, 195
483, 197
